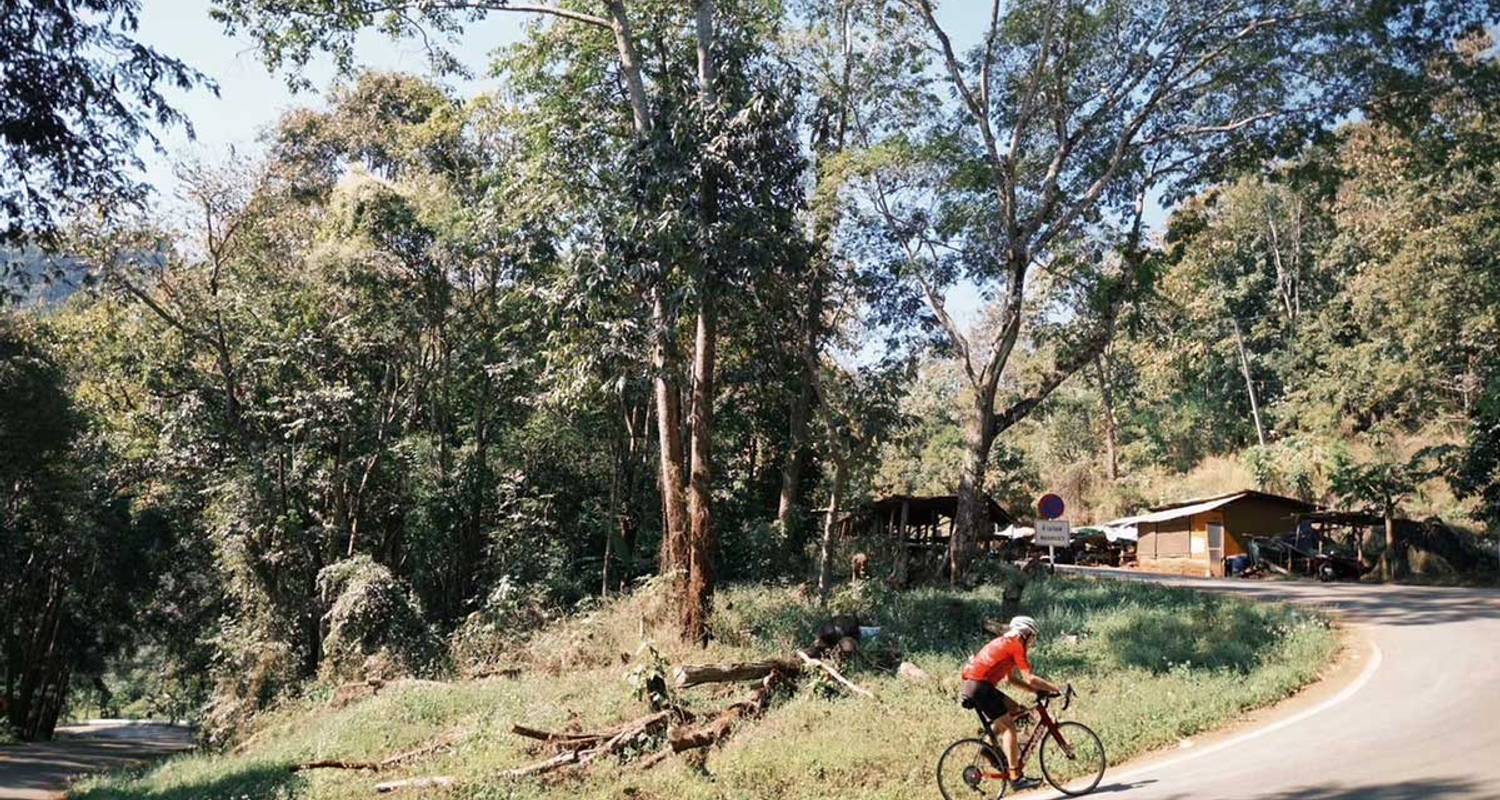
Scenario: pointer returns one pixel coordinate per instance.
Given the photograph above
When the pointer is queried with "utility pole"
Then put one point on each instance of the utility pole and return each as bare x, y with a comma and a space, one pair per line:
1239, 341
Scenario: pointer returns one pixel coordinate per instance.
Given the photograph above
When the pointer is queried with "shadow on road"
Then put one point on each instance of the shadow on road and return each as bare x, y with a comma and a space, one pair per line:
255, 781
1430, 789
1373, 604
1123, 786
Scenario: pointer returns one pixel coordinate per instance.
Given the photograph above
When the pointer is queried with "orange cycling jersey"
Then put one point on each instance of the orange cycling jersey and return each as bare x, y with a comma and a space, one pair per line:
994, 662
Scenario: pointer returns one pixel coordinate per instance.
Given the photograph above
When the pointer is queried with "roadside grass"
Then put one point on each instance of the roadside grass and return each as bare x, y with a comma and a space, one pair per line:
1153, 666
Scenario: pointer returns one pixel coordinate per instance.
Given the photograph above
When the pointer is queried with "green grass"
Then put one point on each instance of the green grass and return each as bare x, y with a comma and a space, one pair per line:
1153, 665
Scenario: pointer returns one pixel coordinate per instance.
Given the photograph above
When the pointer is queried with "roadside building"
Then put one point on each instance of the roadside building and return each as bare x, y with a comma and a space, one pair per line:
1196, 537
919, 528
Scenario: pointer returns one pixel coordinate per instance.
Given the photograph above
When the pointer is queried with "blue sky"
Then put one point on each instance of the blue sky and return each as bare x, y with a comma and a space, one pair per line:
251, 98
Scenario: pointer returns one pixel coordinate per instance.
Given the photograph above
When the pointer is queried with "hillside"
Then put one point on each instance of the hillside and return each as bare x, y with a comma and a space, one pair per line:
1152, 664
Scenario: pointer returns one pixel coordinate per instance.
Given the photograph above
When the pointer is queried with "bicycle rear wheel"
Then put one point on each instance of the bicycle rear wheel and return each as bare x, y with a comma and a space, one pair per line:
970, 769
1073, 764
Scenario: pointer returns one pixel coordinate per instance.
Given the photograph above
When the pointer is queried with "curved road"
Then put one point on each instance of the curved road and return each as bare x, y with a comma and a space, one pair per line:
1421, 722
42, 771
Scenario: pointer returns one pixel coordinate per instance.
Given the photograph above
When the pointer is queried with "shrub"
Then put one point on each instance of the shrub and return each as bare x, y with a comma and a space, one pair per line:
253, 674
487, 636
372, 617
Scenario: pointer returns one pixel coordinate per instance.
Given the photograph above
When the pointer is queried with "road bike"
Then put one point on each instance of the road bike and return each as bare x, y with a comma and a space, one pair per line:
1070, 754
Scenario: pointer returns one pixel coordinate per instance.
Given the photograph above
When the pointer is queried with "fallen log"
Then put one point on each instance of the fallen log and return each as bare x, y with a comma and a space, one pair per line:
434, 782
583, 740
446, 740
583, 748
720, 726
656, 758
561, 759
495, 672
372, 766
626, 736
833, 673
696, 674
580, 739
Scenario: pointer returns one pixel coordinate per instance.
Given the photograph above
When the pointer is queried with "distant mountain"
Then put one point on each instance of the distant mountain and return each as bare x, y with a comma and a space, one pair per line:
33, 279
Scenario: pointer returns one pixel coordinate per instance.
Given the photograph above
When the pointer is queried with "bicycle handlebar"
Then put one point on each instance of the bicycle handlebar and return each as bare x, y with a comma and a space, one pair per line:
1067, 694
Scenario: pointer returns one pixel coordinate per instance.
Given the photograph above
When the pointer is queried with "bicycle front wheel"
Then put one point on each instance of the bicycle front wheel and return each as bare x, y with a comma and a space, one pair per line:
1072, 758
970, 769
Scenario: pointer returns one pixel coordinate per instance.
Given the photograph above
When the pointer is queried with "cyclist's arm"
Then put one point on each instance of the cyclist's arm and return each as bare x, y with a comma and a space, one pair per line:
1026, 679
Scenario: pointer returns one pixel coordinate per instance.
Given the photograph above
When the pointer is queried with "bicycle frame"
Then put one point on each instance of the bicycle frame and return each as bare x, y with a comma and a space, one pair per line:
1045, 725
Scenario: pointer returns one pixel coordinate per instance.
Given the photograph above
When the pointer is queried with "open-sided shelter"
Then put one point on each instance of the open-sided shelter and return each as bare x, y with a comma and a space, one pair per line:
920, 526
926, 519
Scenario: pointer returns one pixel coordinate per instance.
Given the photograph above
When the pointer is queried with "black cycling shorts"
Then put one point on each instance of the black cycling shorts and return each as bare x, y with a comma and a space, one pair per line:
990, 701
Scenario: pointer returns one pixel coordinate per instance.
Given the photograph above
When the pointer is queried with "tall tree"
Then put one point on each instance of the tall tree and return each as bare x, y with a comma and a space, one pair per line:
1069, 115
696, 174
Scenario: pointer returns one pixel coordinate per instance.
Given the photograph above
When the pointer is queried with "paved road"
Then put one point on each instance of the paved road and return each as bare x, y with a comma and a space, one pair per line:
42, 771
1421, 722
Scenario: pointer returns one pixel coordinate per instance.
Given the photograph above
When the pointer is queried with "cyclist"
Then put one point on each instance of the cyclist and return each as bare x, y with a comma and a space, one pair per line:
1004, 659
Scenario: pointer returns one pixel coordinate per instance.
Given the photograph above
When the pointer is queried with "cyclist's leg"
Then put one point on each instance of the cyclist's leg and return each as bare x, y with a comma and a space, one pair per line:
1005, 729
991, 705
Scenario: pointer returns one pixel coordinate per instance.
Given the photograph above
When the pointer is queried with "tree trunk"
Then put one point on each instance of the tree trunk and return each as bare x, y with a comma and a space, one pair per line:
609, 542
830, 523
791, 474
1390, 560
1239, 342
1107, 396
791, 468
700, 586
629, 523
669, 432
973, 513
691, 675
900, 560
630, 67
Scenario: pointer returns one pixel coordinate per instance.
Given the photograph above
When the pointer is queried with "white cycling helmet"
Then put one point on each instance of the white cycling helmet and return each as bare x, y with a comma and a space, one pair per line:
1024, 624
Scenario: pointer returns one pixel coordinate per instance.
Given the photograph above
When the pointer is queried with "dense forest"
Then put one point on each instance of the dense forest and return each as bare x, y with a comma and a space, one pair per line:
436, 368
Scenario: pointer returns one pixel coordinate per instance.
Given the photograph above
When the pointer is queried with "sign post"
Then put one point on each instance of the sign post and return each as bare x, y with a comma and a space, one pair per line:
1050, 530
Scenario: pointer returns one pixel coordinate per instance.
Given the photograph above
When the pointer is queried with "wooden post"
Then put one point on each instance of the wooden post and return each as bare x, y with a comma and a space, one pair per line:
899, 557
1389, 566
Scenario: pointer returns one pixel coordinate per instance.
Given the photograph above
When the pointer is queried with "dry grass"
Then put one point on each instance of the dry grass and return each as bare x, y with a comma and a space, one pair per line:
1154, 664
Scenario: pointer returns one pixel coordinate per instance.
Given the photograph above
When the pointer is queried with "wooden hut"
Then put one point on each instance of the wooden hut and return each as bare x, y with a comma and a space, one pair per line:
921, 524
1194, 537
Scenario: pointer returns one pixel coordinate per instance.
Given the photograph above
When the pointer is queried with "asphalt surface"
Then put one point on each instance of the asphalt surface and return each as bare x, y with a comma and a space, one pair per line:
42, 771
1421, 721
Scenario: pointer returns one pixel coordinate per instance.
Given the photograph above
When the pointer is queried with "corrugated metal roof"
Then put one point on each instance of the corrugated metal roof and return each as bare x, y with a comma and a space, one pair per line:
1179, 512
1192, 501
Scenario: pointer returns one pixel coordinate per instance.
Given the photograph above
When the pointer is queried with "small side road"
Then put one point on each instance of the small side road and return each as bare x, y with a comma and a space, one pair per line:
43, 771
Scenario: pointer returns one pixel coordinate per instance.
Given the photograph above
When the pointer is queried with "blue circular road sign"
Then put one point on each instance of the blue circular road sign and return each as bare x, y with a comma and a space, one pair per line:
1050, 506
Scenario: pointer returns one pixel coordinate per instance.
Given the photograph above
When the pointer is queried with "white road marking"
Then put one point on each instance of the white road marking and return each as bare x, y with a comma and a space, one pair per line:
1376, 657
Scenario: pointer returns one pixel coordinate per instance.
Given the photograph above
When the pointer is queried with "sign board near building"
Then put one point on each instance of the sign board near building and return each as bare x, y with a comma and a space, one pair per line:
1052, 532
